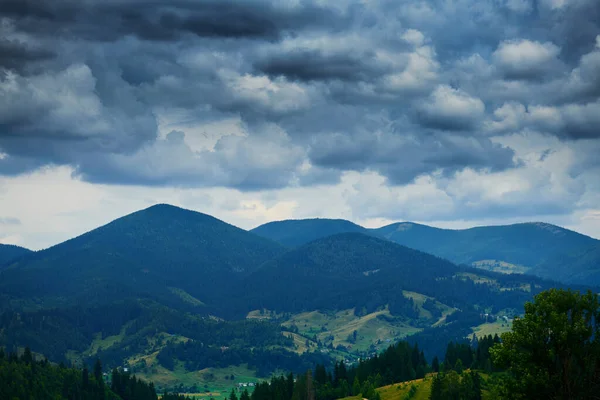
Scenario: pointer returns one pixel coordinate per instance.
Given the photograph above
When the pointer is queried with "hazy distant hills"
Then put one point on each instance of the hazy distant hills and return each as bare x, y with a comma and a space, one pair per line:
10, 252
542, 249
297, 232
525, 244
154, 252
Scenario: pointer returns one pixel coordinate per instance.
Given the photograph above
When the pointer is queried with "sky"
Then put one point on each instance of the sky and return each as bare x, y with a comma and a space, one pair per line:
452, 113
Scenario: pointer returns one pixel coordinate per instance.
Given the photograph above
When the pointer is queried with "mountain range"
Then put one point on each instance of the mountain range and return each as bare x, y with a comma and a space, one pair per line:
535, 248
150, 253
167, 289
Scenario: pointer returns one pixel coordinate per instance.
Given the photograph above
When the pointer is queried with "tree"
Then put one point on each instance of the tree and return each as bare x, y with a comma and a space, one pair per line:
458, 367
436, 387
435, 365
553, 352
232, 395
98, 371
356, 387
27, 356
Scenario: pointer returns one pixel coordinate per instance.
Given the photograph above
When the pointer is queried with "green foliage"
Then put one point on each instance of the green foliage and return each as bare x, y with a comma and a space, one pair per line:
456, 386
553, 352
397, 364
411, 392
24, 378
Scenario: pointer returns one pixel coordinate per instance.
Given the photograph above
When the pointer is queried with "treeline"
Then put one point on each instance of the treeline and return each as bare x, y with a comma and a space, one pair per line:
399, 363
465, 355
197, 356
434, 340
54, 332
24, 378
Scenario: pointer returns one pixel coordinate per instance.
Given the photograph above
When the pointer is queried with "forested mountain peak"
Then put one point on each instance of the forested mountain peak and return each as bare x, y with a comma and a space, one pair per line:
146, 251
10, 252
352, 252
296, 232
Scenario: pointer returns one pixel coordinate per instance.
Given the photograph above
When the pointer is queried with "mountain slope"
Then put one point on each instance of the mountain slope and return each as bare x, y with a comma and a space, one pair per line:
531, 246
9, 252
355, 270
159, 251
293, 233
582, 266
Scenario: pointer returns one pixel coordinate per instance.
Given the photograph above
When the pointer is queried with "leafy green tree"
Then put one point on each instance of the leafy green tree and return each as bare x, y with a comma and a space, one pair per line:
553, 352
232, 395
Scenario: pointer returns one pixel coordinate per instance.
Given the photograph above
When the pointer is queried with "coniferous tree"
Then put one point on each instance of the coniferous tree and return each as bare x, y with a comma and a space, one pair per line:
435, 364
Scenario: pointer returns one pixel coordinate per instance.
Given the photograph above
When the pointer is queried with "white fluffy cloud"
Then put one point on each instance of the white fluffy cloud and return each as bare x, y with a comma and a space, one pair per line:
525, 59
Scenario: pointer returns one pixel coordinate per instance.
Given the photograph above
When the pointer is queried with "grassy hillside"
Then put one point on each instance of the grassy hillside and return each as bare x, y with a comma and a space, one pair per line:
293, 233
421, 391
374, 331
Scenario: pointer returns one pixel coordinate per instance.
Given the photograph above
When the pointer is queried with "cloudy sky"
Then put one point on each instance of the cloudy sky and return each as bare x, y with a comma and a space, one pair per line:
453, 113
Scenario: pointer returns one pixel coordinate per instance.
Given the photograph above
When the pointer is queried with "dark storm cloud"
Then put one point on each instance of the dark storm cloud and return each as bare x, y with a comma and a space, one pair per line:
313, 65
402, 159
162, 20
401, 88
16, 56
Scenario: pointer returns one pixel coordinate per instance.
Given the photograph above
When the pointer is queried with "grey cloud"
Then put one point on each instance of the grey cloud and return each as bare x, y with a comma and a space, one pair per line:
16, 55
160, 20
10, 221
58, 118
526, 59
581, 121
314, 65
402, 159
450, 109
349, 86
245, 163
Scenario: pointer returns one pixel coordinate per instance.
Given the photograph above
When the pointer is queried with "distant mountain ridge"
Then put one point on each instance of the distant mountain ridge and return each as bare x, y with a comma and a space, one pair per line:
539, 248
293, 233
9, 252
